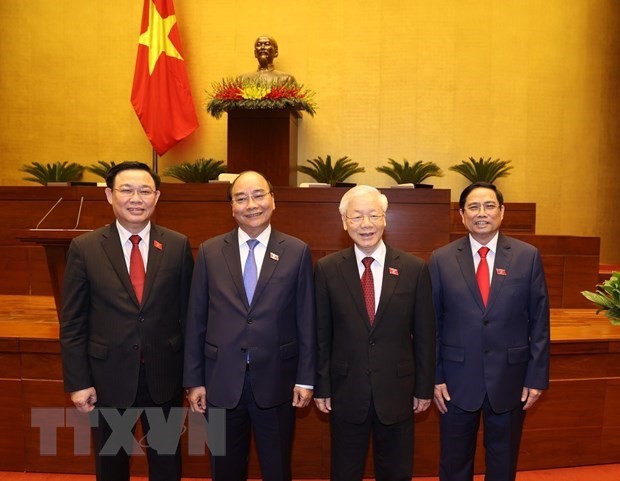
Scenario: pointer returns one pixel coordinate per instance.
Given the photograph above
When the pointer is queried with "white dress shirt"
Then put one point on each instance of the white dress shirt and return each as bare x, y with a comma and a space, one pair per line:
145, 235
492, 245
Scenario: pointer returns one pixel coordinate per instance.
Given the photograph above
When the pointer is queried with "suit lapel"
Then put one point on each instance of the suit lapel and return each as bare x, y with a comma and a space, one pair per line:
390, 280
230, 252
503, 257
111, 244
156, 253
350, 273
273, 255
468, 271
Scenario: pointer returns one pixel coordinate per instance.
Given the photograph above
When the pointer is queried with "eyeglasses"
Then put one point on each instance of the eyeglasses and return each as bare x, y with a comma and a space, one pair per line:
244, 199
373, 218
489, 207
142, 192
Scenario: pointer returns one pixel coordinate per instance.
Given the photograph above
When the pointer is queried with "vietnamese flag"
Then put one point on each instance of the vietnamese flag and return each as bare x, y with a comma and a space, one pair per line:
160, 94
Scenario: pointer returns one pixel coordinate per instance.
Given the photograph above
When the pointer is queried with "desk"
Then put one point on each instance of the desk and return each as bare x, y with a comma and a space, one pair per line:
576, 422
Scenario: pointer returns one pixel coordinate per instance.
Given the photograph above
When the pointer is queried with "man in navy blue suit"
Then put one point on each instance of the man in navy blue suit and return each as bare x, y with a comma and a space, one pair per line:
250, 346
492, 311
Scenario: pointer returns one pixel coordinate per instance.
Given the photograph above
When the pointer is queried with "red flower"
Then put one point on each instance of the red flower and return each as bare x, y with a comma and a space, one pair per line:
284, 91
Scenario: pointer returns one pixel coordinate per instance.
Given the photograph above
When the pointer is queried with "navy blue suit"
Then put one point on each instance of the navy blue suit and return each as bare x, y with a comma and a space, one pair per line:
487, 355
277, 329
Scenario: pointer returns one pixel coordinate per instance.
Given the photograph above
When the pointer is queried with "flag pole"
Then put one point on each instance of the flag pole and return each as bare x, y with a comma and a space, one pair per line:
154, 160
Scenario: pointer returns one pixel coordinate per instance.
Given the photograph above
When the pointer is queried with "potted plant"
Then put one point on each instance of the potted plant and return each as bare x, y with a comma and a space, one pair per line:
323, 171
198, 171
56, 172
482, 170
607, 298
101, 168
411, 174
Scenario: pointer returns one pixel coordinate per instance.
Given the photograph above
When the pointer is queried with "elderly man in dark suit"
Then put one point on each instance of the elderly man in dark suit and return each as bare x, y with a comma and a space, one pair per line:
125, 298
492, 313
251, 333
376, 344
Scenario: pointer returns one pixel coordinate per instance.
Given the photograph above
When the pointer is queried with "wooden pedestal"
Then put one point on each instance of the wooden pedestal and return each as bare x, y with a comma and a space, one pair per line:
265, 141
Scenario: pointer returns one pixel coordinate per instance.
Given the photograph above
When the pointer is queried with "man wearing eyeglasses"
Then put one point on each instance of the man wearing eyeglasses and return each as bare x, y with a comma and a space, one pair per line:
492, 310
251, 339
376, 344
125, 296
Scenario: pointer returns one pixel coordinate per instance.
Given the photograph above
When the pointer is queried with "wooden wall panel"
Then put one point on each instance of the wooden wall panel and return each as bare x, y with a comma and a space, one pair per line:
419, 221
11, 419
585, 365
10, 366
50, 394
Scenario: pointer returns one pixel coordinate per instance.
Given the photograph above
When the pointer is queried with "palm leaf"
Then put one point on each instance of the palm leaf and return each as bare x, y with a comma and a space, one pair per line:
56, 172
199, 171
415, 174
322, 170
101, 168
482, 170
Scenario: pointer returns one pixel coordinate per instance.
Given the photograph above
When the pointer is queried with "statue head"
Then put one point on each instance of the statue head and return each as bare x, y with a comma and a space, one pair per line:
265, 50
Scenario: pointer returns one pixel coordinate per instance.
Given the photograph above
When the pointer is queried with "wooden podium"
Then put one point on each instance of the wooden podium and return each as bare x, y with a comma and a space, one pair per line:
56, 244
264, 140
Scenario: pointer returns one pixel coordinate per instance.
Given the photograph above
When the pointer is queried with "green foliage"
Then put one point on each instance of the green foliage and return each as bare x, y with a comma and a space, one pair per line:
256, 93
607, 298
199, 171
101, 168
323, 170
415, 174
56, 172
482, 170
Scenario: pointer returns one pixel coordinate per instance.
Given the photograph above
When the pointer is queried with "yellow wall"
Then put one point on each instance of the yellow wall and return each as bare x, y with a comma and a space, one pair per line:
528, 80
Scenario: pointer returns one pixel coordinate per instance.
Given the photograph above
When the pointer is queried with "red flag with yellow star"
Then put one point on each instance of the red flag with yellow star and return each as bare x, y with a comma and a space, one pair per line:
160, 94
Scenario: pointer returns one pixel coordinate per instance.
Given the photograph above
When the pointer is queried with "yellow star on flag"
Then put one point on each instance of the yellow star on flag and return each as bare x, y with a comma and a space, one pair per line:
156, 37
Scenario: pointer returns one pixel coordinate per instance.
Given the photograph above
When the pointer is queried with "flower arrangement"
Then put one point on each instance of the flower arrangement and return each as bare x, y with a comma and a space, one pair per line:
254, 93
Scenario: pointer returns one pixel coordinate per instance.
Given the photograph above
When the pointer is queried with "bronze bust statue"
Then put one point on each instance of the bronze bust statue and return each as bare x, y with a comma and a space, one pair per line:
265, 50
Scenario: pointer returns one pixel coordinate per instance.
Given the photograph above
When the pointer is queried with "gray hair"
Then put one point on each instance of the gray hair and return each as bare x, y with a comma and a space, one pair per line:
361, 190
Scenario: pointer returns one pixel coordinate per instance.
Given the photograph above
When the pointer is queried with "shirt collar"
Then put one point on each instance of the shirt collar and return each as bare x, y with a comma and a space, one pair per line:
124, 234
262, 238
378, 254
475, 245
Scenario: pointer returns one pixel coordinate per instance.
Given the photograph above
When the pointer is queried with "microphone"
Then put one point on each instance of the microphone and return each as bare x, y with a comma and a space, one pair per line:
50, 211
77, 222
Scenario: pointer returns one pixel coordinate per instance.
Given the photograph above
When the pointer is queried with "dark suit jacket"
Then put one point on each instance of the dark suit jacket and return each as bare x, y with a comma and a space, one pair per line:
103, 328
278, 328
390, 362
496, 350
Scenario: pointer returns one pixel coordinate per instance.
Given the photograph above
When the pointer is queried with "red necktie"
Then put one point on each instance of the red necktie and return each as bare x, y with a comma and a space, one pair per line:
368, 288
136, 267
482, 275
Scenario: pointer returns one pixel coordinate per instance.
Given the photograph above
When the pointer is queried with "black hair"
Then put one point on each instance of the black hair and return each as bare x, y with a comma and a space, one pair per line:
232, 184
130, 165
476, 185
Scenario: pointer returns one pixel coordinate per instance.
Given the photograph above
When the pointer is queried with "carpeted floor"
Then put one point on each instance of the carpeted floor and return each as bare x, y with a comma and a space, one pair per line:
604, 472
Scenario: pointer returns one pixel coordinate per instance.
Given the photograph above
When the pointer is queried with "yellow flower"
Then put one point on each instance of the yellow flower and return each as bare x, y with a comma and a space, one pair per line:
255, 92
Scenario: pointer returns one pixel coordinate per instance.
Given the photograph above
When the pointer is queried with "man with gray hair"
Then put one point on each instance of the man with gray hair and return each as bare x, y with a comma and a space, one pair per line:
376, 344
